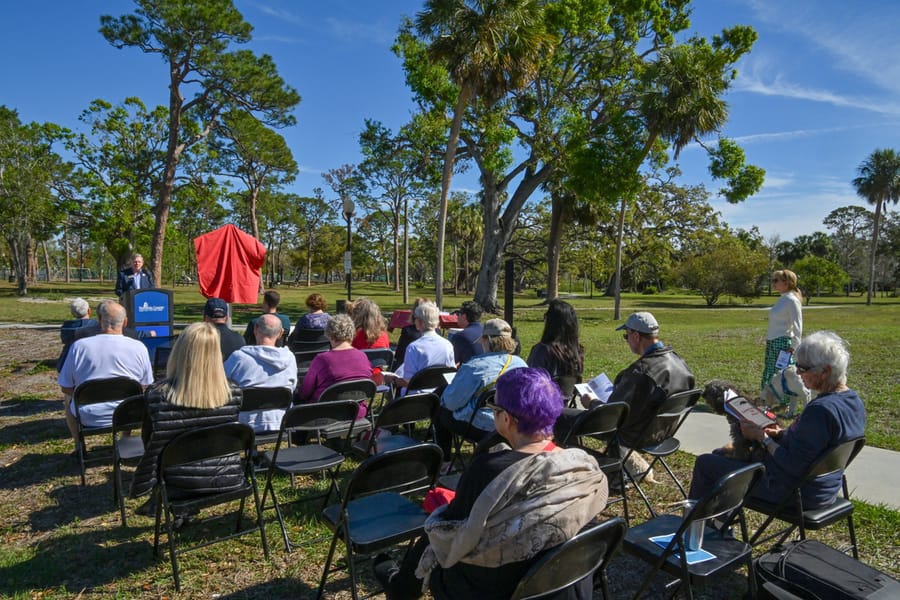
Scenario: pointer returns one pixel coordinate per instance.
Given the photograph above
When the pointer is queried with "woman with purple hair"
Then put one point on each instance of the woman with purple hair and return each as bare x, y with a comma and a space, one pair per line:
510, 505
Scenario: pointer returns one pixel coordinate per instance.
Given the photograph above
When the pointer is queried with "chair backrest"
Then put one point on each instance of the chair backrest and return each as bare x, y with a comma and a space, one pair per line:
305, 357
404, 471
430, 378
566, 384
572, 561
836, 459
601, 421
669, 417
129, 414
379, 357
411, 408
352, 389
314, 334
727, 494
106, 390
265, 398
320, 415
207, 442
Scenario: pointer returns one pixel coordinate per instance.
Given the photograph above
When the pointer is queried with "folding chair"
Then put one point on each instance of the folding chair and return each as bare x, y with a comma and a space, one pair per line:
451, 480
380, 358
161, 359
217, 444
311, 457
362, 391
456, 457
127, 449
726, 497
375, 512
406, 411
304, 340
567, 564
304, 359
113, 389
790, 508
430, 378
658, 438
601, 422
265, 398
567, 383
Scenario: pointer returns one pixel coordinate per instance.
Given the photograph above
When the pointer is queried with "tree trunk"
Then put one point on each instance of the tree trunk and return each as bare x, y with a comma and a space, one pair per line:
872, 256
617, 285
553, 246
405, 252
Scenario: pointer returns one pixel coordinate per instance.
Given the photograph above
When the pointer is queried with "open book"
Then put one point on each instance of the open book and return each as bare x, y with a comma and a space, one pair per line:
599, 388
693, 556
741, 408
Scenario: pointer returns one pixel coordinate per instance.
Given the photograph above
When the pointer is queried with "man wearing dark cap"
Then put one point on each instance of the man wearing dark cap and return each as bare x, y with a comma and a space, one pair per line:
467, 343
216, 312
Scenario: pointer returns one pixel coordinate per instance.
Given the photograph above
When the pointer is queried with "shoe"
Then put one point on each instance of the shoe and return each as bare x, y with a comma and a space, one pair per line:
147, 509
182, 521
445, 468
385, 569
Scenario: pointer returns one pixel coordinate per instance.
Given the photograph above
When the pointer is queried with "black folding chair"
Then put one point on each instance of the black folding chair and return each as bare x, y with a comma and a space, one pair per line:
587, 553
658, 438
304, 359
451, 480
127, 449
430, 378
726, 498
91, 392
456, 458
379, 357
362, 391
161, 359
265, 398
790, 508
404, 412
311, 457
376, 512
601, 423
218, 444
304, 340
567, 383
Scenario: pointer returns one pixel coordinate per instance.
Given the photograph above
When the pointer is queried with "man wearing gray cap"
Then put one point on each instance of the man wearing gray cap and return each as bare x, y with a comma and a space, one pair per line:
644, 384
216, 312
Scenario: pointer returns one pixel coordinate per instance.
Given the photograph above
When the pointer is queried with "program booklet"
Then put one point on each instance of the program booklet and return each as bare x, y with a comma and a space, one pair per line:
741, 408
599, 388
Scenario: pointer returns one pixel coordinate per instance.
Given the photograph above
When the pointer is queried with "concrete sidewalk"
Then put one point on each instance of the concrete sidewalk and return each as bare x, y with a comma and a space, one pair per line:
873, 477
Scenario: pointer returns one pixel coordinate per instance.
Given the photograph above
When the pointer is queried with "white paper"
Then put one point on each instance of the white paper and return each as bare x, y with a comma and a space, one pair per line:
783, 360
599, 388
448, 377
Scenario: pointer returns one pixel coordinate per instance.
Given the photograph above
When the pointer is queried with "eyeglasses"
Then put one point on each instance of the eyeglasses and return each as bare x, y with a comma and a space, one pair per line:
801, 369
627, 333
499, 409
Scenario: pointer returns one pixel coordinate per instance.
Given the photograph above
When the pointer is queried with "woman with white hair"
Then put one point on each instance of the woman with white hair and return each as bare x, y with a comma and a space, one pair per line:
835, 416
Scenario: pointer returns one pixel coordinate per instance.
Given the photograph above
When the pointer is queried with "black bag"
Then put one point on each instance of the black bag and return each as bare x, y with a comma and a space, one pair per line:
810, 570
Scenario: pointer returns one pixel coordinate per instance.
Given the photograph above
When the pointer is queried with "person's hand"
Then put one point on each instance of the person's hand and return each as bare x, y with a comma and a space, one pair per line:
773, 430
752, 431
586, 400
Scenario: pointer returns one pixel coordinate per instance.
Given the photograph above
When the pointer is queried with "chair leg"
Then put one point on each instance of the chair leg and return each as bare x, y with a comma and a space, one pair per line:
117, 492
334, 539
284, 534
81, 450
259, 520
672, 475
170, 531
855, 546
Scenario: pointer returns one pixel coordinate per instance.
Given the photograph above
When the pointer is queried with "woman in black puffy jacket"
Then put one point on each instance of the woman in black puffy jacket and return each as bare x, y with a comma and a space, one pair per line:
195, 393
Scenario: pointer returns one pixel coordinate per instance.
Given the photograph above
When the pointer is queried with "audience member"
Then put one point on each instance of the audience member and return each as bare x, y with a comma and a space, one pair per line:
271, 300
135, 277
510, 505
559, 352
195, 393
408, 334
477, 375
108, 354
81, 311
263, 365
835, 416
316, 318
92, 328
430, 350
467, 343
216, 312
371, 329
342, 363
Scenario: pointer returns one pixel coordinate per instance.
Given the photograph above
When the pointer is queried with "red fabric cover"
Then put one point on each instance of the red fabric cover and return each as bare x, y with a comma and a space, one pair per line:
438, 496
228, 264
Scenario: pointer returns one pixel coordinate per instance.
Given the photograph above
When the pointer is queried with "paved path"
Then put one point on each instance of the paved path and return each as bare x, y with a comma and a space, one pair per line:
874, 476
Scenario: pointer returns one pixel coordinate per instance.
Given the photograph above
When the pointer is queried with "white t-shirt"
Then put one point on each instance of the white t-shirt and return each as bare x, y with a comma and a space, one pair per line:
100, 357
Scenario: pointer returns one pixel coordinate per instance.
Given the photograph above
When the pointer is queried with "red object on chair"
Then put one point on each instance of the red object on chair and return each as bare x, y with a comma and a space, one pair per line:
228, 264
436, 497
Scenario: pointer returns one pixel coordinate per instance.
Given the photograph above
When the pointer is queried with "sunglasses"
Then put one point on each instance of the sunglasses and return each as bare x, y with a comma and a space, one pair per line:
499, 409
801, 369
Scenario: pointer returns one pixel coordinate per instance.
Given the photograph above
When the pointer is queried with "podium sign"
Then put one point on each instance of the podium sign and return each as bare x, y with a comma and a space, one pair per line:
150, 310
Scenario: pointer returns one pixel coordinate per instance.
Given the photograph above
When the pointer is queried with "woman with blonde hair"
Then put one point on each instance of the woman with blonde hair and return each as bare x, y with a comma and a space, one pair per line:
195, 393
785, 321
370, 326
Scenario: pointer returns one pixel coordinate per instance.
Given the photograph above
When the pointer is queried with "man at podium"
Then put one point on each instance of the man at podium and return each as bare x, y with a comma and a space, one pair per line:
135, 277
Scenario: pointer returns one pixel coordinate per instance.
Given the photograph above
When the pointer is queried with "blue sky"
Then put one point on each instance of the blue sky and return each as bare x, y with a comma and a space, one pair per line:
819, 92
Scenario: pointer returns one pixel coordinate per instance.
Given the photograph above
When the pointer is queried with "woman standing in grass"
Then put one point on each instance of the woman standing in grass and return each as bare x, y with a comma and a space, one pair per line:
785, 321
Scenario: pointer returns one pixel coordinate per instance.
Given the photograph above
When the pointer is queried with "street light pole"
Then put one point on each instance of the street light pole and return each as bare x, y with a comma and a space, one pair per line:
348, 209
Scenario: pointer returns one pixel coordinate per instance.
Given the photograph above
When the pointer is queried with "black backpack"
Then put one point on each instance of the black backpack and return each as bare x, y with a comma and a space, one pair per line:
810, 570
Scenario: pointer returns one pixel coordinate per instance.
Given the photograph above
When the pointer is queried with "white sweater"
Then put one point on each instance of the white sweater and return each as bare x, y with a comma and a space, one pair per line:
786, 319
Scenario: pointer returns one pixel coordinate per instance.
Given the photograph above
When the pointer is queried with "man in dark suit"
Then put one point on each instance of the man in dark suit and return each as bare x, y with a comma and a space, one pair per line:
135, 277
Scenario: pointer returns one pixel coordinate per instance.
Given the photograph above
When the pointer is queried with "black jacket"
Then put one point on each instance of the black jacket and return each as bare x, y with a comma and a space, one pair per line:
125, 281
162, 423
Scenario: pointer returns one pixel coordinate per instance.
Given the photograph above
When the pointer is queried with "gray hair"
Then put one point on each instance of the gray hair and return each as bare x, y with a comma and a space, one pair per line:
79, 308
340, 328
825, 349
112, 315
429, 314
269, 326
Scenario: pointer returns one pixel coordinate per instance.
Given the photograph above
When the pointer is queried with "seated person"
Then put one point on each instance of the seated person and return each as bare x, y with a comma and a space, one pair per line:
509, 506
81, 311
466, 343
91, 327
408, 334
195, 393
559, 352
263, 365
371, 328
215, 311
480, 373
316, 318
430, 350
835, 416
271, 300
342, 363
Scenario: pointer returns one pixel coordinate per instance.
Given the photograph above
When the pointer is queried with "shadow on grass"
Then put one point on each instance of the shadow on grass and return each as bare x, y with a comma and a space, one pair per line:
28, 407
73, 503
281, 587
32, 469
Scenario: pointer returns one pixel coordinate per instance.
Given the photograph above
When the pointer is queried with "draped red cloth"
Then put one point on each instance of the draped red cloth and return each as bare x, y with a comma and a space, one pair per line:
229, 263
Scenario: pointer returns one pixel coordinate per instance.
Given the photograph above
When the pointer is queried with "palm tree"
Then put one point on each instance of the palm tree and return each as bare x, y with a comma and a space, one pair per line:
878, 182
489, 47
